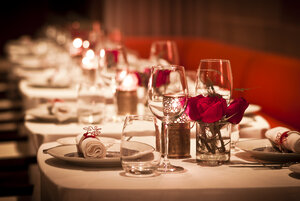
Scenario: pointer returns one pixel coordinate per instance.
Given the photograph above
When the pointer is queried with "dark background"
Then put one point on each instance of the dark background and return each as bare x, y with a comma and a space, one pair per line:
267, 25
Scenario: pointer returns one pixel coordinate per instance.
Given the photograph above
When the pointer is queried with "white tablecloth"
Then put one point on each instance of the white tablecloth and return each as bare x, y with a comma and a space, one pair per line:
33, 96
63, 181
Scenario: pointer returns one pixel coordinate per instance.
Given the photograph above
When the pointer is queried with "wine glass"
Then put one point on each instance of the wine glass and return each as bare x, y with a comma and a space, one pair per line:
214, 77
167, 100
112, 62
164, 52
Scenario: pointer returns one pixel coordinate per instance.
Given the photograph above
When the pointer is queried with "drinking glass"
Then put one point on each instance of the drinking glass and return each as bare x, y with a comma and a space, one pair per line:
214, 77
139, 155
164, 52
112, 61
167, 99
235, 136
90, 103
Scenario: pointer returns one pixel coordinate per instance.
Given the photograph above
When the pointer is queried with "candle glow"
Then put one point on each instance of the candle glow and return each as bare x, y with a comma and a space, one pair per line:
129, 83
90, 54
86, 44
89, 61
77, 42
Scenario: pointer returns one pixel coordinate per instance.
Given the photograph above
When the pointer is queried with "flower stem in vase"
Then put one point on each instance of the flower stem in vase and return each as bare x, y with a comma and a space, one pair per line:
211, 147
222, 149
204, 140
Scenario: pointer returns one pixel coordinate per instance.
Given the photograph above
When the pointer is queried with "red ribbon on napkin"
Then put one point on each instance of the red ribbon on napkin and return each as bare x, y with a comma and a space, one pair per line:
280, 138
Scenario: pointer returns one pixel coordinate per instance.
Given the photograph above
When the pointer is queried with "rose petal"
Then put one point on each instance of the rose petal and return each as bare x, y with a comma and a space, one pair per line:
236, 110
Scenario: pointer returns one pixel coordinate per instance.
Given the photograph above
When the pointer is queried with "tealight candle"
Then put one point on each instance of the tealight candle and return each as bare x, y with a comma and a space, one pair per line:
126, 93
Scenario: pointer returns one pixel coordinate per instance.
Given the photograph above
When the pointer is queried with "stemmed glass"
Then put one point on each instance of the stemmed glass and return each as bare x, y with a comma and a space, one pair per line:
112, 62
164, 52
167, 99
214, 76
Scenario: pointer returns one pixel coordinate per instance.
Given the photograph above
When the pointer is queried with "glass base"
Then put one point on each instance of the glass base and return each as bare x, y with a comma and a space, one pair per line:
168, 168
213, 159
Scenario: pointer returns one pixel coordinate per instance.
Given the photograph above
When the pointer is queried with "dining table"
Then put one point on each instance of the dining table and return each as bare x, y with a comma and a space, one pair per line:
243, 178
62, 178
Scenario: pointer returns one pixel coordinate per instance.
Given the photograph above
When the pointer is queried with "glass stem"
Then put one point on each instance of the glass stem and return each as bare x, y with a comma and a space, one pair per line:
165, 147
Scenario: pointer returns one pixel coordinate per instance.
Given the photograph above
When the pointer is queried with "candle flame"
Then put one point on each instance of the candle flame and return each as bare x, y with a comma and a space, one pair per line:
90, 54
129, 83
86, 44
77, 42
102, 53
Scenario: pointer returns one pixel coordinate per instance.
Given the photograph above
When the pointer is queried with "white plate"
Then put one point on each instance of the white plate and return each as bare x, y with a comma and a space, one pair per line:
42, 81
69, 154
295, 168
252, 109
262, 149
139, 149
41, 112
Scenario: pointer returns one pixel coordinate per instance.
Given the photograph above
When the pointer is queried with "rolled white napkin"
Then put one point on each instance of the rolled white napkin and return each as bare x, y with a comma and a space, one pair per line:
90, 147
62, 111
290, 141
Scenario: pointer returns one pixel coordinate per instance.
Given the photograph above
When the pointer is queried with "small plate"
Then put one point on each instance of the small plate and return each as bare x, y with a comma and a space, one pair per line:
295, 168
42, 82
69, 154
252, 109
41, 112
262, 149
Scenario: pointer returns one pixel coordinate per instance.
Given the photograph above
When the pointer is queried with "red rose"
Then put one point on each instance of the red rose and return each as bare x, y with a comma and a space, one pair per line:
139, 77
236, 110
191, 108
162, 77
206, 109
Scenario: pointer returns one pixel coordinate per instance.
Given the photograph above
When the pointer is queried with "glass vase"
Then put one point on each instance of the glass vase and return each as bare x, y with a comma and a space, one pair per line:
213, 143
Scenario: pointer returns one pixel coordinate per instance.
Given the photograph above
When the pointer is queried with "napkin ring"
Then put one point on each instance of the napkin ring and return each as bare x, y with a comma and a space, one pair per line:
280, 139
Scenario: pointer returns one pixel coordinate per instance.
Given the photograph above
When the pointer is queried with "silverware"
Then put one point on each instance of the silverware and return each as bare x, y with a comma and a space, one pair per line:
45, 151
271, 165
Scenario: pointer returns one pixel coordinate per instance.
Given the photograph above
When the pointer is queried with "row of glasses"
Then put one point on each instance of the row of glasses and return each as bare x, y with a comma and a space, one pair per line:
167, 97
167, 100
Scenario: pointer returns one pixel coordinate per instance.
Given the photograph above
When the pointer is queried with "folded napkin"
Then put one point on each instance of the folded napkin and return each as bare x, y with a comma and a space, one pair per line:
61, 110
90, 146
51, 78
284, 139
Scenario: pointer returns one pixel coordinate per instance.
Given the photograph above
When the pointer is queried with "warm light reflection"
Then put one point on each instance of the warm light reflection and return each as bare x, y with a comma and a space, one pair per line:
121, 75
86, 44
77, 42
89, 63
129, 83
85, 61
102, 53
90, 54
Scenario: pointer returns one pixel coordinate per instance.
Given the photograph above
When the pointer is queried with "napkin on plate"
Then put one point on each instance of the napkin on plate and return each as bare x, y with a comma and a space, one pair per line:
90, 147
61, 110
284, 139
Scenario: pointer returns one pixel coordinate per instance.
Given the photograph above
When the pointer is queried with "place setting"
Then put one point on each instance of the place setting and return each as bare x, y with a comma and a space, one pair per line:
56, 110
147, 145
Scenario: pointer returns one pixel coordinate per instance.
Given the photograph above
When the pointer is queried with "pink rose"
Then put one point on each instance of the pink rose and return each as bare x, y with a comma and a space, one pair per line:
236, 110
206, 109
